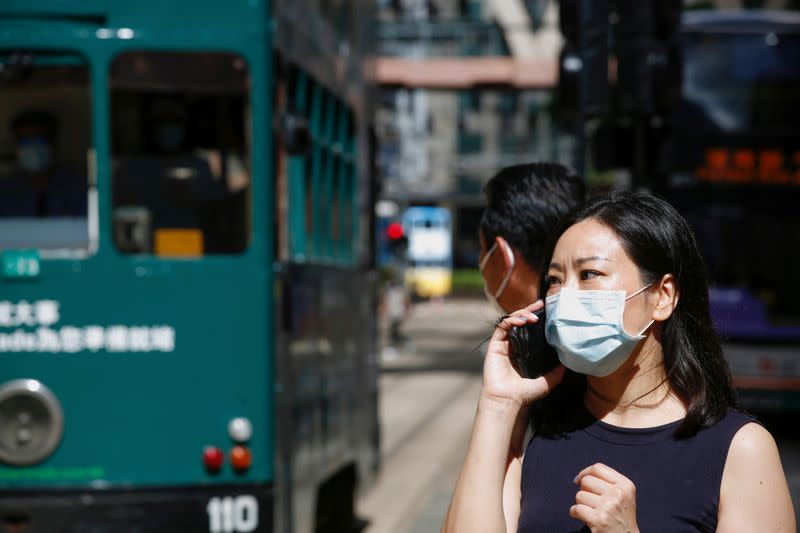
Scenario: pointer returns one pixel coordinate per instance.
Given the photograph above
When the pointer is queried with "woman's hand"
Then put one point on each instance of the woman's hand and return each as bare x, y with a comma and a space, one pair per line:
501, 381
606, 501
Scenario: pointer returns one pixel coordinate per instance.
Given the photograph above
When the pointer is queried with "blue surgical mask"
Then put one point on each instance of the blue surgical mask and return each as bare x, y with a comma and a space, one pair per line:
586, 329
35, 154
494, 298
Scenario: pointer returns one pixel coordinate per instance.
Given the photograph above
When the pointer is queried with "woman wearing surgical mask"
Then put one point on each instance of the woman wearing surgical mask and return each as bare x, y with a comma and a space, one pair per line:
637, 429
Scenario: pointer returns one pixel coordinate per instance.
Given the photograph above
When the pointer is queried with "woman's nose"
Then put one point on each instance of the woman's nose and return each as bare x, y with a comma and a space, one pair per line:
571, 282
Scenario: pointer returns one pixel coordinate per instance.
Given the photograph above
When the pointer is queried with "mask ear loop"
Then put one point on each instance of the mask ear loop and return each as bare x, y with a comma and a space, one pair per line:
486, 258
640, 291
508, 274
651, 322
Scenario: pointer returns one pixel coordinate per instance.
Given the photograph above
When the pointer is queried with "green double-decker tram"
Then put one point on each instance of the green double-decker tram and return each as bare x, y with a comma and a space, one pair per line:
187, 290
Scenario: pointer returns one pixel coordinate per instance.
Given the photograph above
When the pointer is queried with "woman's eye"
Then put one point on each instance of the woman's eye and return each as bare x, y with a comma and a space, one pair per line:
589, 274
551, 280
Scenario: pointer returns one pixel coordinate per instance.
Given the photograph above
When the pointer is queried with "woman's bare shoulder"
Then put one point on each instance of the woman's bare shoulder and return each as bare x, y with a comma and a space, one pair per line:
754, 494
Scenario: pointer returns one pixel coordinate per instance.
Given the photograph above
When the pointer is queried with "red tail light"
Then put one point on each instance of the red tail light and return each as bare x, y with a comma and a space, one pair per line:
213, 458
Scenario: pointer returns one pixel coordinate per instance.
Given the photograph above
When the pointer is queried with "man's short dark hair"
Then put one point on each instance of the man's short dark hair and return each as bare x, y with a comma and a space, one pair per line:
525, 204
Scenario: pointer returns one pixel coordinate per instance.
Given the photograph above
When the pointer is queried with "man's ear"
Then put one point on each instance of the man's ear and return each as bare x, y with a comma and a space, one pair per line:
507, 252
482, 241
667, 298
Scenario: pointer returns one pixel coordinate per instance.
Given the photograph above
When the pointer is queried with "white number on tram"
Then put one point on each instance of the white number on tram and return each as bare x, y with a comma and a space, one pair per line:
232, 514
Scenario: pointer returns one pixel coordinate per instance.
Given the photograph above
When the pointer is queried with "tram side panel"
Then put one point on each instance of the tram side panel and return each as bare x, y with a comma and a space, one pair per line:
326, 391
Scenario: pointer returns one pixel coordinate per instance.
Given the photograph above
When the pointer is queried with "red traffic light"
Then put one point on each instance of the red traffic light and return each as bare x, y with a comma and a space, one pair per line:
394, 231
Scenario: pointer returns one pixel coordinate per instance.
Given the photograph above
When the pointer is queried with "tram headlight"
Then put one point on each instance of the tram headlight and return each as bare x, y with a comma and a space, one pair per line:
240, 429
31, 422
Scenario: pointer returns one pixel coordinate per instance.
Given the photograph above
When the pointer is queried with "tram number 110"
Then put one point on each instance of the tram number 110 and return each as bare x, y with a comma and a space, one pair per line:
232, 514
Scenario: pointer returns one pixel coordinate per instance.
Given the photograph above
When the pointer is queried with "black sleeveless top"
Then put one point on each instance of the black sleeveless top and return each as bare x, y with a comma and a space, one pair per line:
677, 480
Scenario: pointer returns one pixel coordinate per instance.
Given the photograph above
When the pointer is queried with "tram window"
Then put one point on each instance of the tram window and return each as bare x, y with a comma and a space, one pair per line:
337, 121
326, 173
301, 102
180, 134
45, 131
349, 202
280, 233
336, 188
347, 213
309, 218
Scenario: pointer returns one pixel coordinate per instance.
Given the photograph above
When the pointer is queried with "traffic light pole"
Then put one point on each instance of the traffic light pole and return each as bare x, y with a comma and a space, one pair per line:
640, 173
580, 142
583, 69
640, 34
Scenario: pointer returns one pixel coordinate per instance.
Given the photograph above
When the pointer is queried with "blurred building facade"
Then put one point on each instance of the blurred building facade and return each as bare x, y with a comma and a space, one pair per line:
467, 88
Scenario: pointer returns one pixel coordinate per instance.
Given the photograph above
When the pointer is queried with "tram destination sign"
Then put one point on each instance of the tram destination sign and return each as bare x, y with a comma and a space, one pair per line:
35, 326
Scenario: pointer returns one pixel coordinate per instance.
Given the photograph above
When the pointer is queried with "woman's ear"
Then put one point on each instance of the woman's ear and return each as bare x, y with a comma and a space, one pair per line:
667, 298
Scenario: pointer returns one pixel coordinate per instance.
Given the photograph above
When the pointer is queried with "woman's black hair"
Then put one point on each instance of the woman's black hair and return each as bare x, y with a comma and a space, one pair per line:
659, 241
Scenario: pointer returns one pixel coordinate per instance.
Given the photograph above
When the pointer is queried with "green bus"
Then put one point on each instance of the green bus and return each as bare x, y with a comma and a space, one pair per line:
187, 290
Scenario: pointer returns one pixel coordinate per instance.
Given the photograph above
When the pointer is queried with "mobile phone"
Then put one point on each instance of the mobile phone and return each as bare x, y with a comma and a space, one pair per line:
529, 348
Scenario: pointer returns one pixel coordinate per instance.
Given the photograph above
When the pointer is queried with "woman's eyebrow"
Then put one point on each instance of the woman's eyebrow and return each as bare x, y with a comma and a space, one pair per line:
582, 260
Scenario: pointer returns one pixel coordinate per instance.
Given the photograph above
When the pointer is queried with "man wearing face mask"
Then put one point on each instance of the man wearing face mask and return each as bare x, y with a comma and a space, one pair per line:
176, 185
524, 206
38, 187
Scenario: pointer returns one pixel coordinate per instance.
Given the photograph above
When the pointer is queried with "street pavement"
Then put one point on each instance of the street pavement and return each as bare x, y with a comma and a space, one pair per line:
429, 389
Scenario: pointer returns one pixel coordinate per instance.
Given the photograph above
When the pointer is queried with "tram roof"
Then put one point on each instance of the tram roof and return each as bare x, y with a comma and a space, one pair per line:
155, 15
303, 32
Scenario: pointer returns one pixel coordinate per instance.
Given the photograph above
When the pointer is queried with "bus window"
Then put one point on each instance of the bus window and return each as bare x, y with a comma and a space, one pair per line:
742, 82
180, 148
731, 171
45, 131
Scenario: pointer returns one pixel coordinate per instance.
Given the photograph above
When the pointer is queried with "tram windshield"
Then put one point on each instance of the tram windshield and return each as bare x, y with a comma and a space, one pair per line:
180, 150
45, 131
